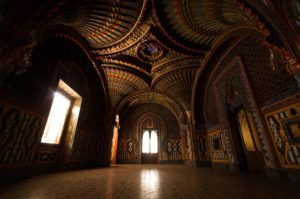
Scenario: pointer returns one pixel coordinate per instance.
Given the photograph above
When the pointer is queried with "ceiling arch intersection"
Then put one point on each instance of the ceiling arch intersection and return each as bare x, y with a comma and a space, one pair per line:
152, 45
150, 58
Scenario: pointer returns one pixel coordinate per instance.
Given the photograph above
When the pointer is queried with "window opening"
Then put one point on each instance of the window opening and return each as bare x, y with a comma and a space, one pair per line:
56, 120
150, 144
65, 108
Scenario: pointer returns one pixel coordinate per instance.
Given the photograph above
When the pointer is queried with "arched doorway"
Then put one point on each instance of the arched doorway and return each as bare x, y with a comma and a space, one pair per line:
237, 125
248, 157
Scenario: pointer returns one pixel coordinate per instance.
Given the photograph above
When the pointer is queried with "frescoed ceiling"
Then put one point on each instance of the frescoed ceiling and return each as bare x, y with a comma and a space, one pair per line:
152, 46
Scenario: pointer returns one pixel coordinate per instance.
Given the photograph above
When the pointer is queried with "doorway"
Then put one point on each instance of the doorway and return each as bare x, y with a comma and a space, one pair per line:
249, 158
114, 144
238, 143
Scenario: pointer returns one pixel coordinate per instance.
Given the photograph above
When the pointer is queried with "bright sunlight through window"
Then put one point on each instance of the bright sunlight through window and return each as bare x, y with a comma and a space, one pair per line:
146, 139
150, 142
56, 119
153, 142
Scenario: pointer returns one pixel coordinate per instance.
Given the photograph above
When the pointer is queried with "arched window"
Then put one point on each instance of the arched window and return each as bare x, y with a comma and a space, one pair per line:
149, 144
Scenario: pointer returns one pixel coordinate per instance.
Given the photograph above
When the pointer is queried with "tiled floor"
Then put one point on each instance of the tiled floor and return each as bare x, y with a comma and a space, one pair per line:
149, 181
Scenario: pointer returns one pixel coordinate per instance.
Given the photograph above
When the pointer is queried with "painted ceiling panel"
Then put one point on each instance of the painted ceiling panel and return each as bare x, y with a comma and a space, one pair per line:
121, 83
178, 84
200, 22
102, 23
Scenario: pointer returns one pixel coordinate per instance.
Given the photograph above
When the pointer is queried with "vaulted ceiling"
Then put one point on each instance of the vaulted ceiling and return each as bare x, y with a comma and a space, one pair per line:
153, 47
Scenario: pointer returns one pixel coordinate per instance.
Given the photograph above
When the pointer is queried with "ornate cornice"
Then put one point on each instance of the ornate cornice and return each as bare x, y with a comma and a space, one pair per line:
108, 62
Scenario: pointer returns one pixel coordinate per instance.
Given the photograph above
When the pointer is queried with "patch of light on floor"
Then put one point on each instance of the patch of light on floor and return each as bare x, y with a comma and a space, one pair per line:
150, 183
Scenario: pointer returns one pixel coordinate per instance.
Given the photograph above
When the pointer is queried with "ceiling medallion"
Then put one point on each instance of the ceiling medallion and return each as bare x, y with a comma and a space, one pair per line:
150, 51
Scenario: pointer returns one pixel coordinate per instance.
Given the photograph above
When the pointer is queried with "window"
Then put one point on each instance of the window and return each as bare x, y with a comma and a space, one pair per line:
56, 120
65, 108
149, 144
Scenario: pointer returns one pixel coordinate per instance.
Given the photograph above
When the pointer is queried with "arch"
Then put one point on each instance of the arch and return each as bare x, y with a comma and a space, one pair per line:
173, 105
223, 46
131, 130
79, 44
176, 107
161, 129
68, 59
220, 49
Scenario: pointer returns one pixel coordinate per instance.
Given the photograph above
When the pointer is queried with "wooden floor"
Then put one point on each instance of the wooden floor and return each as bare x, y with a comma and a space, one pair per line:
150, 181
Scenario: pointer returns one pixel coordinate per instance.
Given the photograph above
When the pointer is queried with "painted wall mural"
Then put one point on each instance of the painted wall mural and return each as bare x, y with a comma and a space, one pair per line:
172, 150
87, 145
20, 133
127, 150
201, 146
284, 127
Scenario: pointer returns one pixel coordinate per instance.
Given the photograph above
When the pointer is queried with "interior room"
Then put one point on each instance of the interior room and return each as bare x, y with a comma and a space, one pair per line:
149, 99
